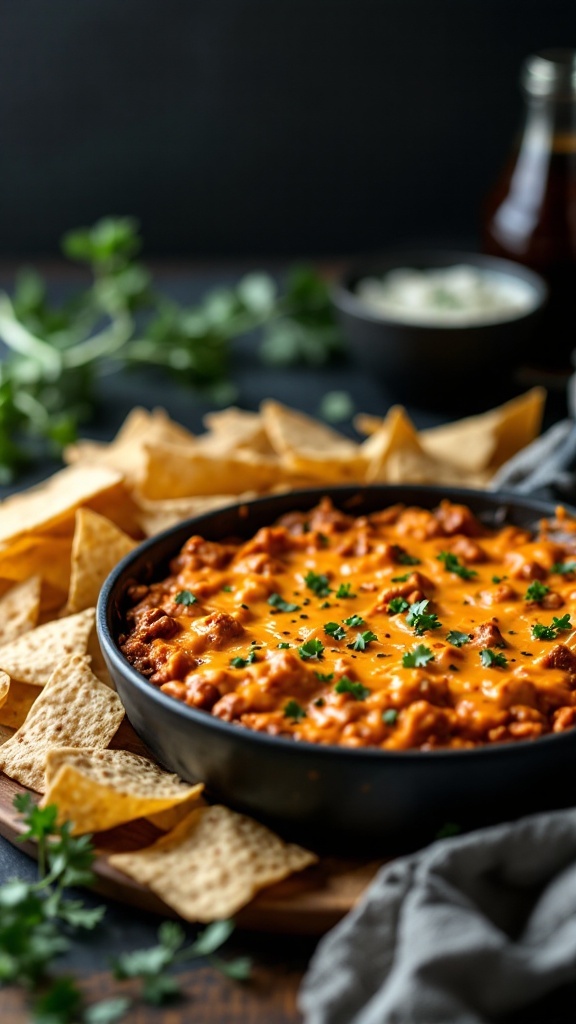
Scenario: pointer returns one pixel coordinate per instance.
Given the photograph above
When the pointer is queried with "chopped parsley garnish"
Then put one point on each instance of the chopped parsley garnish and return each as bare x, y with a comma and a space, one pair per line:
281, 605
536, 591
334, 630
185, 597
420, 619
284, 645
457, 639
311, 649
227, 589
564, 568
354, 620
418, 657
319, 583
453, 564
344, 590
294, 710
362, 640
401, 579
397, 605
326, 604
346, 685
490, 659
541, 632
242, 662
390, 716
403, 558
324, 677
498, 579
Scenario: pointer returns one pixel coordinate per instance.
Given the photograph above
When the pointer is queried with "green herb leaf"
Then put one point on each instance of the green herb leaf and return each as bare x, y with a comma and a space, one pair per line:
540, 632
311, 649
324, 677
318, 583
362, 640
490, 659
401, 579
453, 564
536, 592
403, 558
356, 690
397, 605
345, 590
354, 620
282, 606
334, 630
108, 1011
562, 623
185, 597
564, 568
420, 619
457, 639
283, 645
418, 657
239, 662
390, 716
294, 710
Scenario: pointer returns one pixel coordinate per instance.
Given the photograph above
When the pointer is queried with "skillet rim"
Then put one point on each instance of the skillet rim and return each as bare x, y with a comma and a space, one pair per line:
105, 632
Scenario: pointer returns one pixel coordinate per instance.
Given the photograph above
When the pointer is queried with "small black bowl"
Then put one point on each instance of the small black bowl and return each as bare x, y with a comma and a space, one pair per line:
457, 368
340, 798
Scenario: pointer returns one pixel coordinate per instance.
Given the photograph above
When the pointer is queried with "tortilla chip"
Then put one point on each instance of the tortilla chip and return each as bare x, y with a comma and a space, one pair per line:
19, 700
33, 657
19, 609
175, 471
126, 452
213, 863
44, 556
97, 547
486, 441
73, 709
45, 506
4, 688
155, 516
311, 448
99, 789
233, 429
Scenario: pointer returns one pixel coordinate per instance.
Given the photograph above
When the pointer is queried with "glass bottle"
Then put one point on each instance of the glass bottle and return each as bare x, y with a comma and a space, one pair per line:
530, 216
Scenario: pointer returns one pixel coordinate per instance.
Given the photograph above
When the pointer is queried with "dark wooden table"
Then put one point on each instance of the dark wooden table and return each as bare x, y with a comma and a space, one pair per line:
279, 961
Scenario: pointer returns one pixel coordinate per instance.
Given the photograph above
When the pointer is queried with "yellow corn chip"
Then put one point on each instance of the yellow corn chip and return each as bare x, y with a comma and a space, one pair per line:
311, 448
232, 429
73, 709
33, 657
126, 452
97, 547
175, 471
99, 789
19, 700
213, 863
19, 609
155, 516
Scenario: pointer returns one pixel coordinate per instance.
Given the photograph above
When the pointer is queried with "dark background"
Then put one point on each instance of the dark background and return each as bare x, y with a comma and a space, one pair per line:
260, 127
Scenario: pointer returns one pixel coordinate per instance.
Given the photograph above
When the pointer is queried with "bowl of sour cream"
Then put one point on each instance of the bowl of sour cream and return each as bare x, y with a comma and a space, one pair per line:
440, 328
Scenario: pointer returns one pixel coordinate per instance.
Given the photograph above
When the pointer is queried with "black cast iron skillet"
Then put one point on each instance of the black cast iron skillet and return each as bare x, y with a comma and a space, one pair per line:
364, 800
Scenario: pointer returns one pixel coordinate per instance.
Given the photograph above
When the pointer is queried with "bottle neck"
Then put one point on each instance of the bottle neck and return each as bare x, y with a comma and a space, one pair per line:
550, 125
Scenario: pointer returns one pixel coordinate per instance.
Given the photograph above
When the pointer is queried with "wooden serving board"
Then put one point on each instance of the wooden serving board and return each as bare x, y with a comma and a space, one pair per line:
307, 903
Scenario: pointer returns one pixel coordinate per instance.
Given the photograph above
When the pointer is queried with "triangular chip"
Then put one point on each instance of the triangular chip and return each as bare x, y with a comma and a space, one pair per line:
45, 506
33, 657
175, 471
155, 516
232, 428
19, 700
40, 555
213, 863
97, 547
126, 452
19, 609
311, 448
74, 709
100, 789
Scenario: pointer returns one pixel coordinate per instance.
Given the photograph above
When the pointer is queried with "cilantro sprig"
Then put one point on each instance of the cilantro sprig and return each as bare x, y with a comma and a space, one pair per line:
420, 619
311, 649
362, 640
542, 632
536, 592
335, 630
278, 602
318, 583
564, 568
185, 597
490, 659
418, 657
38, 919
356, 690
345, 590
294, 710
453, 564
457, 639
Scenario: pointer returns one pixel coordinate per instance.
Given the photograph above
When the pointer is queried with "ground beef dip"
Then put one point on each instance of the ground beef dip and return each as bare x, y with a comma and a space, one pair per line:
404, 629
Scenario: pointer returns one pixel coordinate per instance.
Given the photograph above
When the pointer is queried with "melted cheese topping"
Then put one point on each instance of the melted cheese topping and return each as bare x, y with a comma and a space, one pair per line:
403, 629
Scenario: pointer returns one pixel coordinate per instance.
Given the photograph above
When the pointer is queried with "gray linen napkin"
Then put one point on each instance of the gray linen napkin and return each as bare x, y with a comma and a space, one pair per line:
463, 931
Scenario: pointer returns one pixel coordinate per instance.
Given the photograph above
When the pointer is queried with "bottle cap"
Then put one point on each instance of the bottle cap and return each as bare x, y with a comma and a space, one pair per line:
551, 73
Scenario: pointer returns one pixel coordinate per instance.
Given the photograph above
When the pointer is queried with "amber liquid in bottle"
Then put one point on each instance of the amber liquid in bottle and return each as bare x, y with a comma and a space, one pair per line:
530, 216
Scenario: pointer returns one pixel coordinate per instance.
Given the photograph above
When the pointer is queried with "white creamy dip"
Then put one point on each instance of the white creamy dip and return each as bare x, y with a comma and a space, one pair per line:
447, 296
